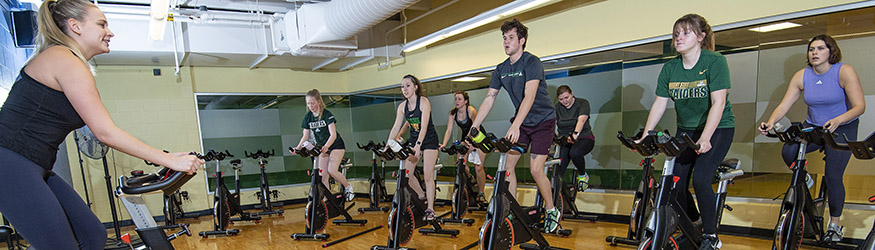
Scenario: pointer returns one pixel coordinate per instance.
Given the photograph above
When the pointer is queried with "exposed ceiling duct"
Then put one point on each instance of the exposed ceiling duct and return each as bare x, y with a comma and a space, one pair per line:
328, 29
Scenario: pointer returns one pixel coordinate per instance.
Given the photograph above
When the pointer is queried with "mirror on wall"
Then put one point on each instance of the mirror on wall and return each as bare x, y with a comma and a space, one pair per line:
619, 84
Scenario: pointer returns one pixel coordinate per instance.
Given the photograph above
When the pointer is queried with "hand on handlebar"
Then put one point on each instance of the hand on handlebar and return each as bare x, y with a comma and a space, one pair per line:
765, 127
832, 124
704, 146
185, 162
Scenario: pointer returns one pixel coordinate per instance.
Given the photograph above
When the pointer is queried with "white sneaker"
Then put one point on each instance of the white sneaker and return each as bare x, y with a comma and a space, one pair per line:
349, 194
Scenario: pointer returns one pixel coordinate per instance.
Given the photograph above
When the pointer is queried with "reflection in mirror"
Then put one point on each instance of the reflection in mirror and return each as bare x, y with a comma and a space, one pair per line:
619, 84
248, 123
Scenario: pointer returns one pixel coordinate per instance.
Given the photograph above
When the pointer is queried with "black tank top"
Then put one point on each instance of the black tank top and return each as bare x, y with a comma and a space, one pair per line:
465, 125
35, 119
414, 117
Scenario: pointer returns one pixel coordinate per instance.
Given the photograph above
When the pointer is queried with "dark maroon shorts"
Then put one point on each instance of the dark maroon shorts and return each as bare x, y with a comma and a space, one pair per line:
539, 137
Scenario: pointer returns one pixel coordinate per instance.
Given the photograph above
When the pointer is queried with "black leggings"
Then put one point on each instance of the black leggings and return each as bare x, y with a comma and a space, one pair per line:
834, 170
575, 152
41, 206
705, 166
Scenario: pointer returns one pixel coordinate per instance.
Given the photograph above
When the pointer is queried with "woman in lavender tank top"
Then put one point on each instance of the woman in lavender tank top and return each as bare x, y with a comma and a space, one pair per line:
834, 97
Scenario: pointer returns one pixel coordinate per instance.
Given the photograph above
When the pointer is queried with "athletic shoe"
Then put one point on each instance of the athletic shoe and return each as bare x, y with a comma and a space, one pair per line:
551, 221
349, 194
429, 215
710, 242
582, 182
481, 198
833, 234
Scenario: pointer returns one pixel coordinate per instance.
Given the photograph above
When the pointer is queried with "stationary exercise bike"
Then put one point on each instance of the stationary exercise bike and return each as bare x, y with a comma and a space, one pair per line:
668, 216
464, 190
644, 195
131, 191
377, 183
226, 204
564, 195
864, 150
265, 193
407, 209
172, 203
321, 203
173, 207
507, 223
801, 218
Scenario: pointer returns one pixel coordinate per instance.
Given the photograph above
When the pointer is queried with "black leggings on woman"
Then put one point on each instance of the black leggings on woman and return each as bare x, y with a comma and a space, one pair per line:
705, 166
44, 209
575, 153
836, 162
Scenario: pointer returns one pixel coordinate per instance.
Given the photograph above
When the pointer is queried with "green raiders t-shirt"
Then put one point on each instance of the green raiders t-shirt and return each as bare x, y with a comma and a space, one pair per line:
319, 127
691, 89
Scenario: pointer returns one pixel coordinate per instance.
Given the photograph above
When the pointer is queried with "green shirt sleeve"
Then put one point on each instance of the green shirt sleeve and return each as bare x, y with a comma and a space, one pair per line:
719, 76
329, 117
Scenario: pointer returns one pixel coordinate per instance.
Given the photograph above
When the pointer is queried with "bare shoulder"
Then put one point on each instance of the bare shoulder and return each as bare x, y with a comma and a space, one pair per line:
54, 64
847, 69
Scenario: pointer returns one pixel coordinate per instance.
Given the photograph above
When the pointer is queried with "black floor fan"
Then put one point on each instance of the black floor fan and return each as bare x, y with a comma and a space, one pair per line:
88, 144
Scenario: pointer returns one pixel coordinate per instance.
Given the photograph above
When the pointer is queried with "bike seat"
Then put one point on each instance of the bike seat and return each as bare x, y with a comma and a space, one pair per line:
345, 163
727, 170
729, 164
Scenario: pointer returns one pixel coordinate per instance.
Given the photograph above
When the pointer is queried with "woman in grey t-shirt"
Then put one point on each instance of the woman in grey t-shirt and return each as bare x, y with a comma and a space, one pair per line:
572, 115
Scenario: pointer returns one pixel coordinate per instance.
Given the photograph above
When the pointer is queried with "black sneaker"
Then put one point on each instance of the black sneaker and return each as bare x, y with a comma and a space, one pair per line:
710, 242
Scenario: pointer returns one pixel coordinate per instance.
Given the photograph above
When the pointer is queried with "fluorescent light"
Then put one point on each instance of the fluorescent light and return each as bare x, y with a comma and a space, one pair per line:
158, 19
35, 2
468, 79
774, 27
415, 46
524, 7
472, 26
474, 22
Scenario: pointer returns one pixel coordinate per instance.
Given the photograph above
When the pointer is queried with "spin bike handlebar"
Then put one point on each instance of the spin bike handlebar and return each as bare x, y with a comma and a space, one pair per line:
562, 140
304, 152
864, 150
166, 180
259, 154
646, 147
455, 148
488, 142
377, 149
795, 133
213, 155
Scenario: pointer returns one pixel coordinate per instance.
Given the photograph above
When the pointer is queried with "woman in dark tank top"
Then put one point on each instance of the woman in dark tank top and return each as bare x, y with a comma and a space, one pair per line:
415, 112
55, 94
461, 115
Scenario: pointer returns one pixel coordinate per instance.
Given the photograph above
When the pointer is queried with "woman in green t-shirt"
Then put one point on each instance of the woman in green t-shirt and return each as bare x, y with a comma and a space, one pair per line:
698, 83
320, 130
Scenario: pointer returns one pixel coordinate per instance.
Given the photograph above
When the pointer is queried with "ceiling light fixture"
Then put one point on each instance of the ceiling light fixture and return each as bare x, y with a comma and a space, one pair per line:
468, 79
774, 27
484, 18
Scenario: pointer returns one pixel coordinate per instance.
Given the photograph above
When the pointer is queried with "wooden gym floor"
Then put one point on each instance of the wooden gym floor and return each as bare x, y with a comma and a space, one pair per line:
273, 232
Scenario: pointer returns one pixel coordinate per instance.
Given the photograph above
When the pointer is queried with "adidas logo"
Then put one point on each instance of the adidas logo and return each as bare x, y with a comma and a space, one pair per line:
818, 82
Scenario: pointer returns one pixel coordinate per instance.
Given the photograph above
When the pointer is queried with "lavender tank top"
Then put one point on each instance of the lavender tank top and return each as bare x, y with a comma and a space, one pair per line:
824, 95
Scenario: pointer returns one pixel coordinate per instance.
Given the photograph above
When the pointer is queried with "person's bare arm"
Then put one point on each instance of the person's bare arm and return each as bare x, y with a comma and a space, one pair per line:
854, 92
79, 87
485, 107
